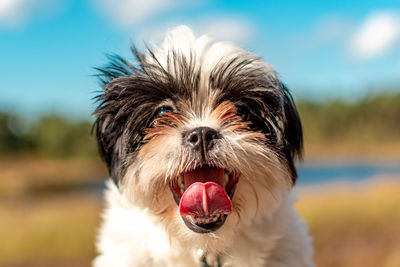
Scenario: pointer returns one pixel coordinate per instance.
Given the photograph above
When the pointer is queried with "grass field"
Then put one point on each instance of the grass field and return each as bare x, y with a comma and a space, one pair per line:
352, 226
48, 231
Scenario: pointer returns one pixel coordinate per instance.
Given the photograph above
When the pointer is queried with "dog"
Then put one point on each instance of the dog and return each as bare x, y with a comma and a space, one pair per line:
200, 139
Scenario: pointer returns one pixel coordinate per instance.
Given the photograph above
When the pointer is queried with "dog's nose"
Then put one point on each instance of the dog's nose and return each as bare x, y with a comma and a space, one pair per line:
201, 138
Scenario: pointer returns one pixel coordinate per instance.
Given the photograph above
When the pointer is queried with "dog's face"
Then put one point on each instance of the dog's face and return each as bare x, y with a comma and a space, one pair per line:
202, 135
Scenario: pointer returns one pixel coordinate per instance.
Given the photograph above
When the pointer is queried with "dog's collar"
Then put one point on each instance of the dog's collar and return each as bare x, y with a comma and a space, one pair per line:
203, 259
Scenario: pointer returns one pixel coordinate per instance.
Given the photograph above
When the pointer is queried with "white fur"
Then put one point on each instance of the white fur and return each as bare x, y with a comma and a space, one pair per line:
263, 228
132, 236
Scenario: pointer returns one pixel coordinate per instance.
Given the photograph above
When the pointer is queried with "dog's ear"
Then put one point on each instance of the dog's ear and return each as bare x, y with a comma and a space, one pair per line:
293, 132
125, 108
114, 112
108, 133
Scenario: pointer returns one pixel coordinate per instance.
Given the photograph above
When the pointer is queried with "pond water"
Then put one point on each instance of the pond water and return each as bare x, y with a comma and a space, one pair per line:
321, 173
313, 174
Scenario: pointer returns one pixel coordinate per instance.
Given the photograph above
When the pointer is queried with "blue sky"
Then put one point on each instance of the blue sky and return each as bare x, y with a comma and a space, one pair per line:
48, 48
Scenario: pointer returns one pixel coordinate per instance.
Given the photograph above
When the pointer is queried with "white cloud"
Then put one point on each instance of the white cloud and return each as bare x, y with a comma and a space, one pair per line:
331, 28
221, 28
18, 12
225, 29
12, 11
379, 33
126, 13
141, 15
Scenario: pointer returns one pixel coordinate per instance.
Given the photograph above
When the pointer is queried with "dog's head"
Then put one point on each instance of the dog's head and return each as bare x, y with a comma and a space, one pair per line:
199, 131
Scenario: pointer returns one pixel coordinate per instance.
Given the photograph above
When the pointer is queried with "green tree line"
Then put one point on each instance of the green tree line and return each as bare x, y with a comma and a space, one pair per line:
51, 135
372, 118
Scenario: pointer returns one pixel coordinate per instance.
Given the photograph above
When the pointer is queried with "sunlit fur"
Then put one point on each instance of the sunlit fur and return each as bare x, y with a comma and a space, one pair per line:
204, 84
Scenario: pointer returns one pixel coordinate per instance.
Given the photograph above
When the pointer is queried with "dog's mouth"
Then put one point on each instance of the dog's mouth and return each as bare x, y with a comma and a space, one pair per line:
204, 197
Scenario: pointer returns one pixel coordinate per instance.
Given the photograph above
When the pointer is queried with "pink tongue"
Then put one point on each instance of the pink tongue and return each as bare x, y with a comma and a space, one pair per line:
205, 200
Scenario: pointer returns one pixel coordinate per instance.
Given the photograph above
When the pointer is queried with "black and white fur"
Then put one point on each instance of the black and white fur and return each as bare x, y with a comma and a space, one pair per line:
145, 110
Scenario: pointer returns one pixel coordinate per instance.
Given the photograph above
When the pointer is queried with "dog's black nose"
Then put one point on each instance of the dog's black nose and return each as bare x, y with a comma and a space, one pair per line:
201, 138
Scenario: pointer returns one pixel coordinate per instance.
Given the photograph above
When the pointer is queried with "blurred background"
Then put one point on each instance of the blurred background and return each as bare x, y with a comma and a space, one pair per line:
341, 60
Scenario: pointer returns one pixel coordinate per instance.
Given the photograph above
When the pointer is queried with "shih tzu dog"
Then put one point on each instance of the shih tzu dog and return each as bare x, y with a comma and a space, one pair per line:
200, 139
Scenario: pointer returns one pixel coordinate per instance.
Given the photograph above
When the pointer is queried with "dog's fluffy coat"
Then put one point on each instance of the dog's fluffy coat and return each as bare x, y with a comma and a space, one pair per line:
144, 113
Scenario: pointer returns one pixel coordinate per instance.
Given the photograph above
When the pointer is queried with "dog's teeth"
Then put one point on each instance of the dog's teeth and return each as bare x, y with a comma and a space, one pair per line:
181, 184
207, 220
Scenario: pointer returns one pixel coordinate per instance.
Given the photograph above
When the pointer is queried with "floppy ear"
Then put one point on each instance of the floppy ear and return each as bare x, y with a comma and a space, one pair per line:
109, 124
124, 111
109, 129
125, 108
293, 132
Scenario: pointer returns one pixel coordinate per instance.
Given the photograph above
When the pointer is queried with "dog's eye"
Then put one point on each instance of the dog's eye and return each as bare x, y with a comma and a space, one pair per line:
243, 112
161, 111
255, 120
